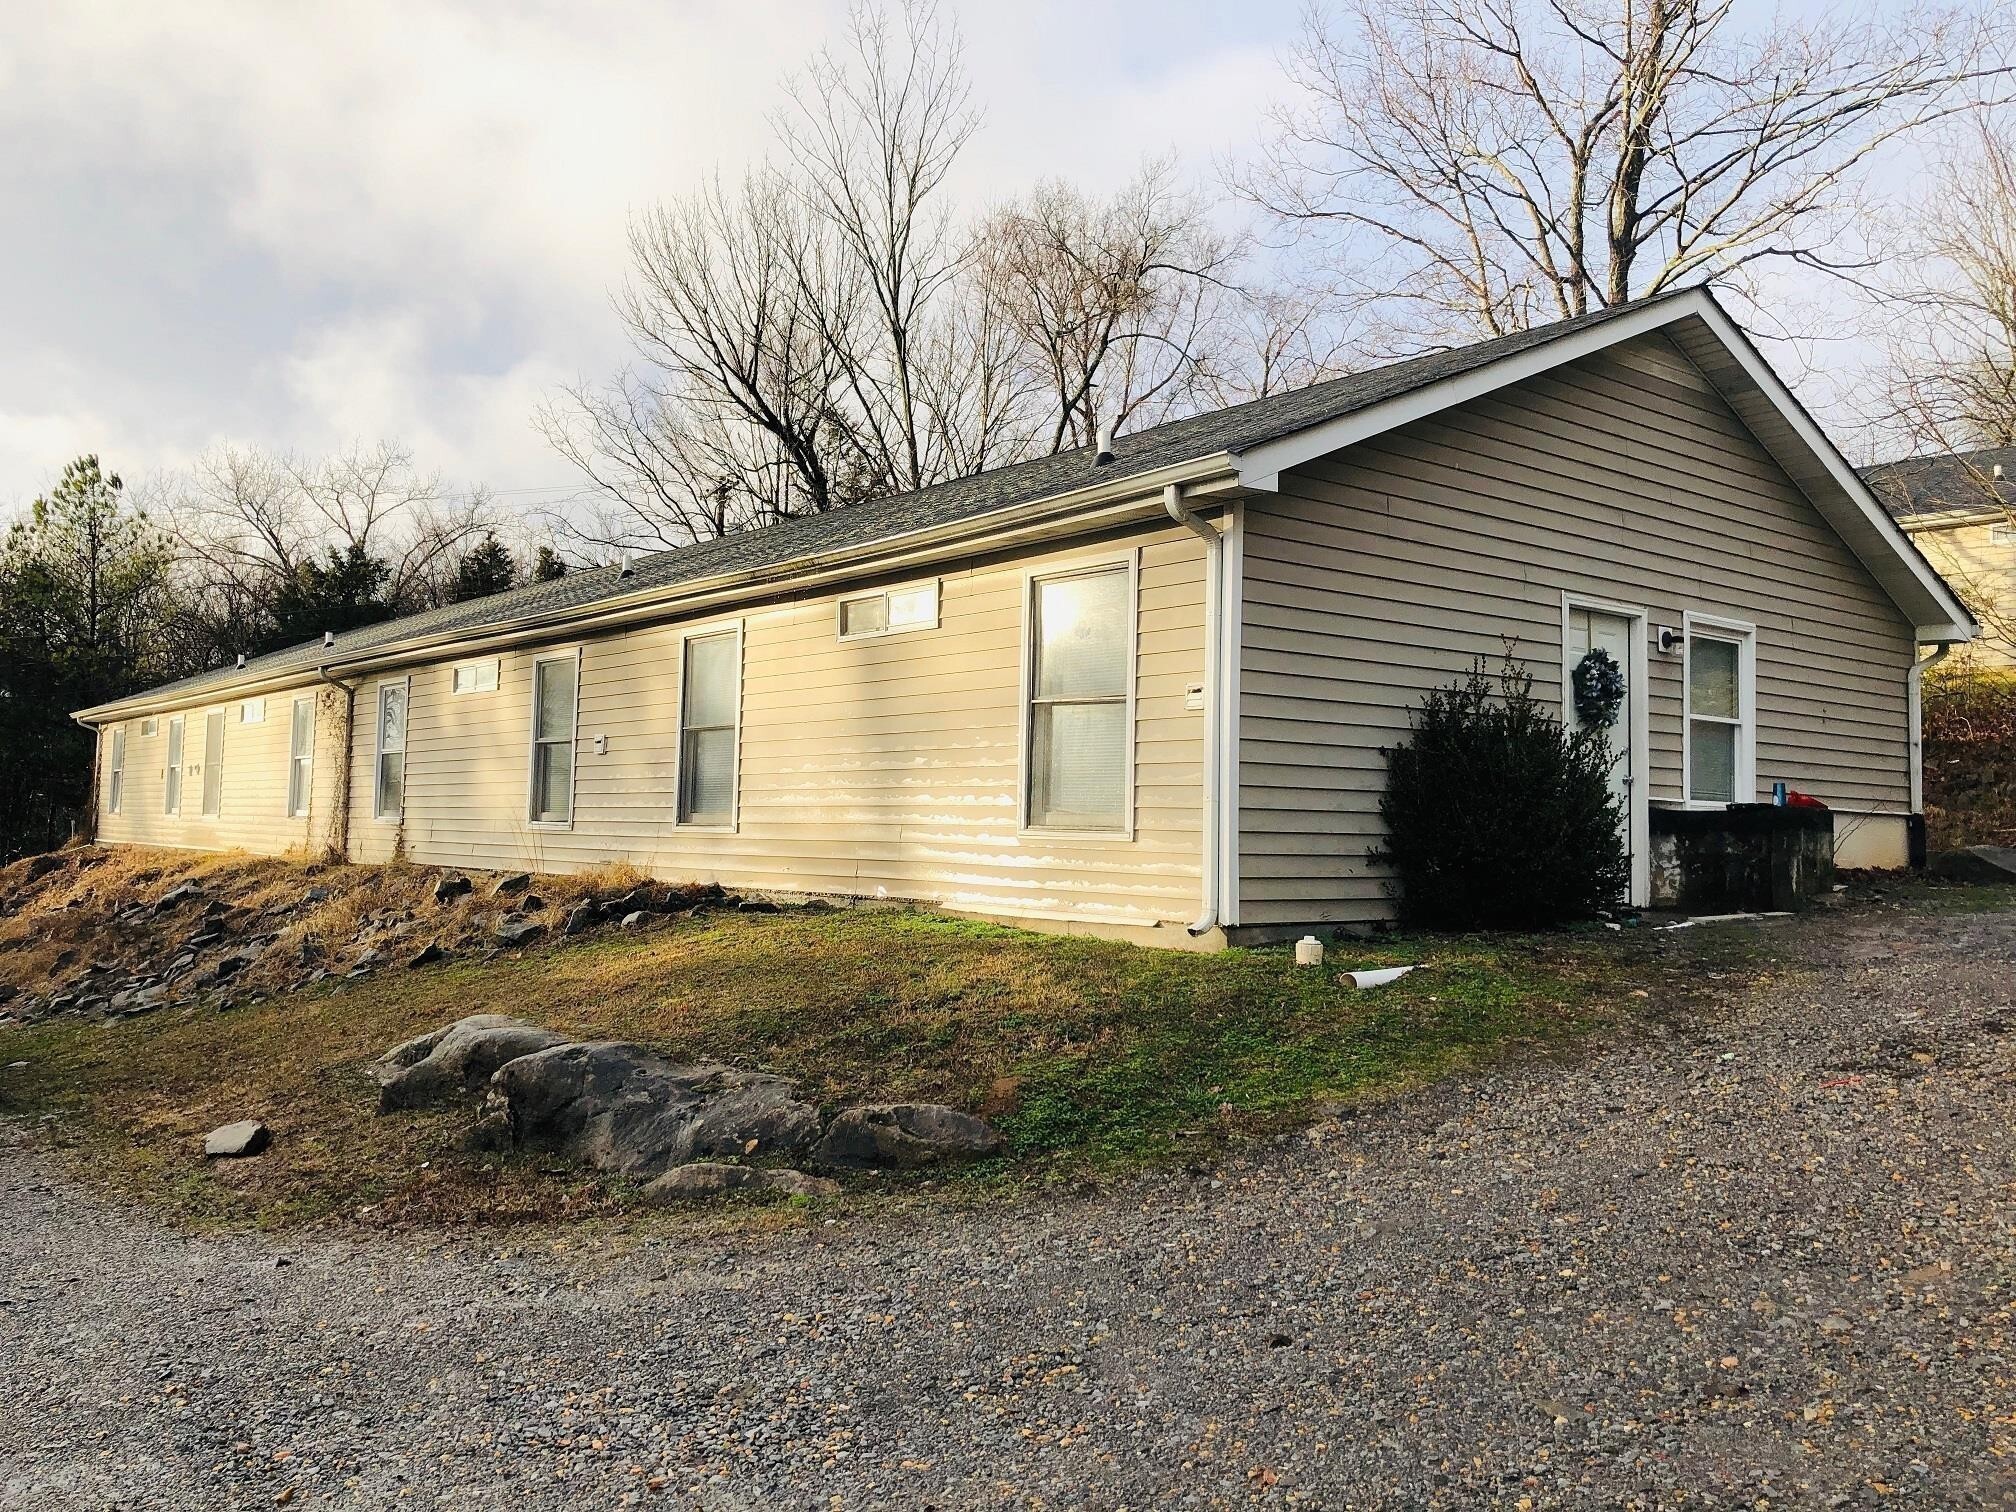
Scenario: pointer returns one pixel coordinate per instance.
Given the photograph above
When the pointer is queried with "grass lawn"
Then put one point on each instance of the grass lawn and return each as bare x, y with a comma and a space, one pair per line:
1090, 1056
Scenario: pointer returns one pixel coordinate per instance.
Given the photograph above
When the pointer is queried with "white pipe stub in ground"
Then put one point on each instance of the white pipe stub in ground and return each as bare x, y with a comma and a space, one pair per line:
1363, 979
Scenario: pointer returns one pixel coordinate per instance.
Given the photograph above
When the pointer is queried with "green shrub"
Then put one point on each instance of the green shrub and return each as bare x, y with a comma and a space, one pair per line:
1496, 816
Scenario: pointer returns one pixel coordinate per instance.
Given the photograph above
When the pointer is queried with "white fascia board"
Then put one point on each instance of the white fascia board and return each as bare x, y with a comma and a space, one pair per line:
1260, 466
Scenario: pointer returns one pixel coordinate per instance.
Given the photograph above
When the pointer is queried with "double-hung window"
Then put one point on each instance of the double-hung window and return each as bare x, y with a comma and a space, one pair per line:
1721, 712
300, 756
553, 707
171, 776
710, 698
390, 790
1080, 728
213, 763
115, 779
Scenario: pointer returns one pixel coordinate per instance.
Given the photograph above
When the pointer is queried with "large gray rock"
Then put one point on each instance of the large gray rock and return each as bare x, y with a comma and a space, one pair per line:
705, 1178
906, 1135
456, 1061
519, 931
624, 1108
1994, 864
246, 1137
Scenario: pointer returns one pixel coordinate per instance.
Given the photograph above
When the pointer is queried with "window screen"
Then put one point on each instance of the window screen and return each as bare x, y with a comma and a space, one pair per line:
300, 755
171, 778
710, 697
115, 784
391, 802
553, 740
213, 763
1079, 741
1714, 719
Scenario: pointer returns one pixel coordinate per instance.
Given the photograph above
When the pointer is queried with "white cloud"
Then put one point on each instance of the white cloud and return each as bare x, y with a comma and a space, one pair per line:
298, 226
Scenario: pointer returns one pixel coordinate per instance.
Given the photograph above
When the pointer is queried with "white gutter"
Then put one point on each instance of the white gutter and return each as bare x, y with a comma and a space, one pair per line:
1214, 614
1915, 700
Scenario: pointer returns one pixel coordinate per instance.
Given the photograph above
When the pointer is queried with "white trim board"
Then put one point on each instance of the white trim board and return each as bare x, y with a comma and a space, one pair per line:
1705, 333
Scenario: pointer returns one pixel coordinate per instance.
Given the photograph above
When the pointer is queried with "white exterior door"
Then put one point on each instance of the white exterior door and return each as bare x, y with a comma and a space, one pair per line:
1621, 637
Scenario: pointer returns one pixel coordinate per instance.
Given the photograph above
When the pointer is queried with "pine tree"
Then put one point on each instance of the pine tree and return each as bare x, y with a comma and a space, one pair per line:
486, 568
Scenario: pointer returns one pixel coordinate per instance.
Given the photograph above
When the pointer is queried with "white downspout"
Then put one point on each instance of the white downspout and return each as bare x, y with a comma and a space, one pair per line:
1214, 612
1915, 698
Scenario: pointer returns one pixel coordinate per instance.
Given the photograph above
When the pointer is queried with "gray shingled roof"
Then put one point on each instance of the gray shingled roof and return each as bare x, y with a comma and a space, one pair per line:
1233, 429
1919, 488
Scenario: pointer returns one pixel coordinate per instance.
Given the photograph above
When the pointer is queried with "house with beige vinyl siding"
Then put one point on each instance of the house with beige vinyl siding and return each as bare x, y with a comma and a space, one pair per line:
1959, 508
1144, 692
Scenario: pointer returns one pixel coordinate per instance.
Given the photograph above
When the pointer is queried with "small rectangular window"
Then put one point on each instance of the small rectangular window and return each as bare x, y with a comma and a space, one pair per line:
252, 711
2002, 535
115, 777
475, 677
390, 802
1080, 737
213, 763
300, 757
710, 697
894, 609
1718, 717
171, 776
150, 727
553, 704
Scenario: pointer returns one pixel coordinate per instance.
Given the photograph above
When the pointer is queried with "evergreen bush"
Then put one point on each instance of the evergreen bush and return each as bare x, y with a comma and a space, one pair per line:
1497, 816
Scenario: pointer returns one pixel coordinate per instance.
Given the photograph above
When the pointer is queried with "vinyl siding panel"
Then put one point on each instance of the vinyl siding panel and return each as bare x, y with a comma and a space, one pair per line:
1386, 570
252, 810
1985, 576
880, 767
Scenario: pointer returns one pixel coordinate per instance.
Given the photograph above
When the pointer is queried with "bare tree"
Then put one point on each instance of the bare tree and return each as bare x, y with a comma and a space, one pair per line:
249, 527
1492, 164
1117, 303
873, 131
1944, 311
1947, 303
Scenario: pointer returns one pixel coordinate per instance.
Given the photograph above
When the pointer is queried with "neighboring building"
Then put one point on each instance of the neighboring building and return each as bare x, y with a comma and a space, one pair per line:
1961, 510
1147, 695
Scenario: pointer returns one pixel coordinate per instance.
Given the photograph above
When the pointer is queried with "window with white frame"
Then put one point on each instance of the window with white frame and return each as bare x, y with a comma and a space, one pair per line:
1080, 726
171, 775
553, 706
1720, 717
252, 711
390, 800
300, 756
889, 611
2002, 535
150, 727
115, 774
213, 763
474, 677
710, 697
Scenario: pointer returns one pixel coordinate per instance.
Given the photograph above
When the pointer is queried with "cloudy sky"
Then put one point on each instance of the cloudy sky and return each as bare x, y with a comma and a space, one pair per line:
300, 226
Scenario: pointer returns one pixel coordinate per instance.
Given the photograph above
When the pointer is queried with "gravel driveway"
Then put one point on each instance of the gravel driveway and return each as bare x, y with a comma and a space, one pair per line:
1763, 1258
